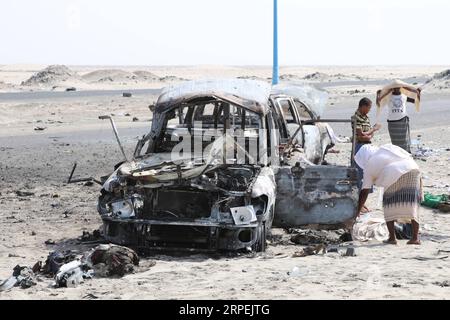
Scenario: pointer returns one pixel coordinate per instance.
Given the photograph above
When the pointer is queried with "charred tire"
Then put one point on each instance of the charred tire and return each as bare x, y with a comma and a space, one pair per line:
269, 221
260, 244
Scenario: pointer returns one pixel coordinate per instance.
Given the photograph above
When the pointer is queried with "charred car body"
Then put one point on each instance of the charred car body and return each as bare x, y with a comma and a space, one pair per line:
224, 160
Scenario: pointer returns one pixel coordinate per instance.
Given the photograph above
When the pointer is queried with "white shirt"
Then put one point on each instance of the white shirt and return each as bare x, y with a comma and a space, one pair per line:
384, 168
397, 107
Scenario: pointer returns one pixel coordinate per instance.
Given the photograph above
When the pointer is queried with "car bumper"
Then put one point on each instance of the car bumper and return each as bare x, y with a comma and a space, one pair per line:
179, 235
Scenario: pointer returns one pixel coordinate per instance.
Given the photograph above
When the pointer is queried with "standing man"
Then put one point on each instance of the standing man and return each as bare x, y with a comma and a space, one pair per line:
364, 130
394, 169
396, 97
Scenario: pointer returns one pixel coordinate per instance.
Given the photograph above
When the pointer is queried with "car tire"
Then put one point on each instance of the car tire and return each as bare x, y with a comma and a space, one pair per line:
260, 244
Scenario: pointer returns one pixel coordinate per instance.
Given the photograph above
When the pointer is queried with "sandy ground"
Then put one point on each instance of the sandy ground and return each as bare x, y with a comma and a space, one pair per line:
40, 161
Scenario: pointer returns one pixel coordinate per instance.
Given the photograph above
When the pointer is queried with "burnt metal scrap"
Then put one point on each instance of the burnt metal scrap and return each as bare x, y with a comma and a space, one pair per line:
223, 161
89, 179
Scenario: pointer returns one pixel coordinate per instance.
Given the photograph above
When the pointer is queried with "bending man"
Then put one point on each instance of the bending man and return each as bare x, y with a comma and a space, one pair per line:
394, 169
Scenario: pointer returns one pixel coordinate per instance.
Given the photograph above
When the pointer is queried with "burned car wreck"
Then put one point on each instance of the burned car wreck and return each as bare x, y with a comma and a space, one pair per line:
223, 161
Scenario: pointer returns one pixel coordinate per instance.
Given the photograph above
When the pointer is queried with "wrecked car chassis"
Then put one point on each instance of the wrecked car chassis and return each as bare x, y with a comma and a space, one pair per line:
195, 214
224, 198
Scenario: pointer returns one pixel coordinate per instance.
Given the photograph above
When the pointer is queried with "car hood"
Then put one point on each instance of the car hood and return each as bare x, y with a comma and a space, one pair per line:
160, 168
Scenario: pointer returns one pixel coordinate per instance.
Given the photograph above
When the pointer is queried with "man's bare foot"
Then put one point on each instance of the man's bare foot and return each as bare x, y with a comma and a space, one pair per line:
416, 242
389, 241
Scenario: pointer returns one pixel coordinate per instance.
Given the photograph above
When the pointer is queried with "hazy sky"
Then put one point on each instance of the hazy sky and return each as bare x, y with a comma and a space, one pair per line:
229, 32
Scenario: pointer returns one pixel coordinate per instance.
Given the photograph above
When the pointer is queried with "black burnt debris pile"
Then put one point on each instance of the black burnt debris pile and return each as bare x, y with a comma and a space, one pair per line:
22, 277
88, 237
314, 241
317, 237
69, 268
322, 242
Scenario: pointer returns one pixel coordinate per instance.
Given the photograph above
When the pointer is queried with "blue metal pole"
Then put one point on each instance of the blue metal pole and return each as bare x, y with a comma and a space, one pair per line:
275, 73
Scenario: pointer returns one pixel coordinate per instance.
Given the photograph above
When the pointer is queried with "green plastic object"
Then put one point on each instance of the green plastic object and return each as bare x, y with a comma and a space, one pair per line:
433, 201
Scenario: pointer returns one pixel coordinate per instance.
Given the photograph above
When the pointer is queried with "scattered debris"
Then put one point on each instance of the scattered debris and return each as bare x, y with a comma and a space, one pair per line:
420, 258
22, 277
346, 237
311, 250
442, 284
350, 252
87, 180
49, 242
444, 207
296, 272
56, 260
310, 237
403, 231
37, 267
334, 151
88, 237
102, 261
55, 204
356, 91
111, 260
69, 269
434, 201
71, 274
24, 193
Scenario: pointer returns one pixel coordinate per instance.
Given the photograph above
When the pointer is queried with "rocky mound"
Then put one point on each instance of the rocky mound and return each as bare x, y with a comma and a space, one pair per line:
440, 80
120, 76
290, 77
316, 76
6, 86
145, 75
52, 75
443, 75
254, 78
320, 76
109, 75
171, 79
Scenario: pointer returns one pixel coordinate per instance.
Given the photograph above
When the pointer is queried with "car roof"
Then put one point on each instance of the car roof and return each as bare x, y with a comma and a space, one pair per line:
313, 98
249, 94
